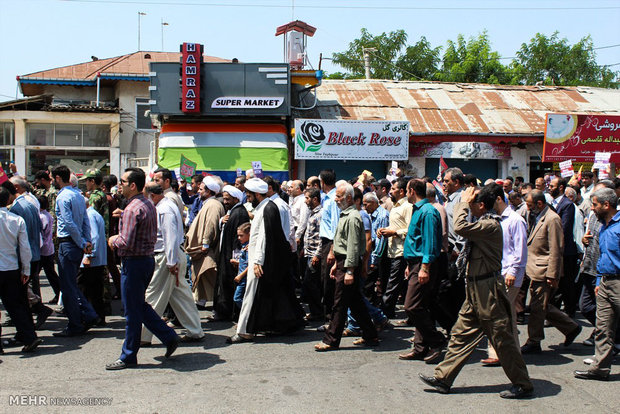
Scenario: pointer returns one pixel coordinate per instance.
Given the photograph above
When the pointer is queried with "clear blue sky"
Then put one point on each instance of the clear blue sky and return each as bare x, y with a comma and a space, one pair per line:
43, 34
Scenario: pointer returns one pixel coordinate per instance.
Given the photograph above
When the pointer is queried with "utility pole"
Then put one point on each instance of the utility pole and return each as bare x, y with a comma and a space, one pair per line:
140, 14
163, 23
366, 51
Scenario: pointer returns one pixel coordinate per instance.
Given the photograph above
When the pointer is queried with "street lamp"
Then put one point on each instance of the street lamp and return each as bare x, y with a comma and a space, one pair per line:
163, 23
140, 14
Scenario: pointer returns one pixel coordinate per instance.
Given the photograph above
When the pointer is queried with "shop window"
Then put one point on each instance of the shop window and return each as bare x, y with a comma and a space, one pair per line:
7, 133
7, 156
142, 121
79, 161
96, 135
68, 135
40, 134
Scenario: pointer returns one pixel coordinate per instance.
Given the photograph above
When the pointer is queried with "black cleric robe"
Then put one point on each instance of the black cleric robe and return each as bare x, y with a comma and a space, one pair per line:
223, 304
276, 308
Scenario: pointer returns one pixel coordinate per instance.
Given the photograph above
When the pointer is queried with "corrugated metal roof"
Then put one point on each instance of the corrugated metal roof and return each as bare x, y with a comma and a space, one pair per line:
434, 107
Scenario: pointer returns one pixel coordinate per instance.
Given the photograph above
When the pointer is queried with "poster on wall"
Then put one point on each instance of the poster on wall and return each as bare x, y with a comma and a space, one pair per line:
321, 139
580, 137
464, 150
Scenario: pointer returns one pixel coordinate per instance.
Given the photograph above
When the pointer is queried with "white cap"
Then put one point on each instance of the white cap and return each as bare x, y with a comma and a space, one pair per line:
211, 184
233, 191
256, 185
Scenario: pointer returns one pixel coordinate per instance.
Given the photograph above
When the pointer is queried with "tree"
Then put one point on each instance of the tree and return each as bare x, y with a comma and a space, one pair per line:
388, 47
419, 61
553, 61
472, 61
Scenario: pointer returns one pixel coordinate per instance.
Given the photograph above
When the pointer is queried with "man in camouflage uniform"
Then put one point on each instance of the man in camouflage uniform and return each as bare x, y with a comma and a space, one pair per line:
43, 187
97, 198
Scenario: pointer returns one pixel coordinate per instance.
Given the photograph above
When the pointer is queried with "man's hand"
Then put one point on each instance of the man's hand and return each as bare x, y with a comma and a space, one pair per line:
331, 258
423, 276
468, 195
88, 248
111, 241
86, 261
552, 283
225, 218
315, 261
332, 272
349, 278
596, 291
586, 238
386, 232
258, 270
25, 279
234, 262
118, 213
238, 279
174, 269
509, 280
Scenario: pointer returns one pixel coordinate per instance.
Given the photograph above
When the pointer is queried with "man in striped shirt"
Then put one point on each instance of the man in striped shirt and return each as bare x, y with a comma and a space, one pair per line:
135, 245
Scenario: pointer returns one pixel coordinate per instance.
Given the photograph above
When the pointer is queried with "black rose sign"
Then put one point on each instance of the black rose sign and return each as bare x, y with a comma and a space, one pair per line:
310, 136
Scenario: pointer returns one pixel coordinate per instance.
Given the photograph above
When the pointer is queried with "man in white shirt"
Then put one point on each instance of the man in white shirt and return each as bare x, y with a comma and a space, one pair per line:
15, 248
163, 177
299, 210
168, 284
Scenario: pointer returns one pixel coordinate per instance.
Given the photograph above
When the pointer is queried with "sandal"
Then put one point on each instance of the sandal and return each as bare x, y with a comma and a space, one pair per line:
364, 342
323, 347
237, 339
349, 332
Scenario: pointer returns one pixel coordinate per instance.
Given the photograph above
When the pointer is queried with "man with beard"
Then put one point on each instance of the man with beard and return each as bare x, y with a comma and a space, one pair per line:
269, 303
202, 243
43, 187
223, 305
604, 202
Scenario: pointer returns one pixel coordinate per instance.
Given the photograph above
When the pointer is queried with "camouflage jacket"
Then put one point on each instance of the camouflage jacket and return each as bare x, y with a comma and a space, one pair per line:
99, 201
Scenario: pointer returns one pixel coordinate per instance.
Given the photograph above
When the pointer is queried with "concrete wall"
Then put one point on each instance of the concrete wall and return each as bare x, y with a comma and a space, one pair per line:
87, 93
134, 142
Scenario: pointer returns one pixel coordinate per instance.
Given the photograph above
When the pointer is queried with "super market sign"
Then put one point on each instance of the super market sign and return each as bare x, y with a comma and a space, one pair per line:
351, 140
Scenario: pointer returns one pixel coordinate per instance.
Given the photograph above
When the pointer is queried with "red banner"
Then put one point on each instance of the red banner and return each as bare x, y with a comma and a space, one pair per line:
190, 77
578, 137
3, 176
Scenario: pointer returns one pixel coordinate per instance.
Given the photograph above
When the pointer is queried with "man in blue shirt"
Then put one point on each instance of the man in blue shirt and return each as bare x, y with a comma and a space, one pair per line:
604, 202
73, 232
379, 265
92, 271
421, 250
330, 214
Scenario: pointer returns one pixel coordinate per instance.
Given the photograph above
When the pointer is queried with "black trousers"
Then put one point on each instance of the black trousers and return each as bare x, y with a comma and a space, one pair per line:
90, 282
395, 286
348, 297
113, 269
35, 283
15, 300
47, 264
328, 283
311, 288
418, 303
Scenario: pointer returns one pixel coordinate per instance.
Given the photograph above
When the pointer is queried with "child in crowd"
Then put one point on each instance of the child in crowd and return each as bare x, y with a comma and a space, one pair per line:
243, 234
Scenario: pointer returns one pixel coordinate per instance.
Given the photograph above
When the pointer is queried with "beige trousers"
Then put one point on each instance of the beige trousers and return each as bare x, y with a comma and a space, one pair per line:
512, 292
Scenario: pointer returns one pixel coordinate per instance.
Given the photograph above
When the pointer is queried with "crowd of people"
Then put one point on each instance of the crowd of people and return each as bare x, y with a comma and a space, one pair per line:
461, 257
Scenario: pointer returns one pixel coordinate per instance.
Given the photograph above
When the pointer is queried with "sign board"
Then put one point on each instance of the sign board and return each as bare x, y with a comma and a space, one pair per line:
579, 137
257, 168
464, 150
566, 168
325, 139
191, 61
187, 168
226, 89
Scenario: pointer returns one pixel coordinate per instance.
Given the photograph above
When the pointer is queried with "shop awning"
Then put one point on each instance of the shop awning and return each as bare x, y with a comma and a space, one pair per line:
492, 139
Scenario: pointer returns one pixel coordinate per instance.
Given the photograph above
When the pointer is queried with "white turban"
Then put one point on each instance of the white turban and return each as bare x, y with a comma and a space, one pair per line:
256, 185
211, 184
233, 191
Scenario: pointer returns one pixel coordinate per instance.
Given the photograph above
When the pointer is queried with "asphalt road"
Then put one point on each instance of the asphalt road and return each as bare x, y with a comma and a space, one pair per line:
280, 374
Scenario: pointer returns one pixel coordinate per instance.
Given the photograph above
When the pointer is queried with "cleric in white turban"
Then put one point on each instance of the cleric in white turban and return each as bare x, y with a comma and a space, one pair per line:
233, 191
256, 185
211, 184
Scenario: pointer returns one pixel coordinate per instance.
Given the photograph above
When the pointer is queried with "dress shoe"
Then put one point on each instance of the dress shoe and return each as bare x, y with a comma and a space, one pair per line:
435, 383
171, 347
570, 338
433, 355
531, 348
42, 316
413, 356
591, 375
118, 365
88, 325
588, 361
32, 346
323, 347
322, 328
65, 333
515, 392
237, 339
145, 344
54, 301
385, 324
187, 339
490, 362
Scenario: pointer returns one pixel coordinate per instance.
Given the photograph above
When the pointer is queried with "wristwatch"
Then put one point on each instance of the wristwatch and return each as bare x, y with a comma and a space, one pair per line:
349, 272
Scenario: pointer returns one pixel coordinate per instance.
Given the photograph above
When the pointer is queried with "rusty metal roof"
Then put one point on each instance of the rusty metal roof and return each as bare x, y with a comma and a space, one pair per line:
453, 108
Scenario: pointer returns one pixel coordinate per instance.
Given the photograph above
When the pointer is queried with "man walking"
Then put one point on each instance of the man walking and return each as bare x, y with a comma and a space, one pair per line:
135, 245
604, 202
168, 284
349, 247
73, 231
545, 245
486, 309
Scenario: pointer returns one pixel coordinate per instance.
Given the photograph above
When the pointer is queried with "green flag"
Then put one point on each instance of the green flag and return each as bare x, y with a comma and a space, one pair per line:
188, 168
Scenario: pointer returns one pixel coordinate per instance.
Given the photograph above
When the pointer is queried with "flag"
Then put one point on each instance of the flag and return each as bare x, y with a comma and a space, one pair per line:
442, 167
579, 173
3, 176
187, 168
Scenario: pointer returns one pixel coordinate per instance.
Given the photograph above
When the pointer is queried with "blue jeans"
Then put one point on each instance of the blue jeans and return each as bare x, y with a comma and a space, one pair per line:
376, 314
239, 292
136, 274
77, 308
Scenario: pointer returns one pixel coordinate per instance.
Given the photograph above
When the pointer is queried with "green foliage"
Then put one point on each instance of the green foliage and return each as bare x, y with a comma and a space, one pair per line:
549, 60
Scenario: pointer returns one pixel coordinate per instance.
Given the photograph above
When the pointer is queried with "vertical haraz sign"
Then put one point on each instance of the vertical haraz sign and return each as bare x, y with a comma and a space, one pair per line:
191, 61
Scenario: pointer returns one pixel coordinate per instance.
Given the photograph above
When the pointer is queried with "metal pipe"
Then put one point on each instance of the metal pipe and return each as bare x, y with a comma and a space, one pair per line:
98, 87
